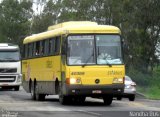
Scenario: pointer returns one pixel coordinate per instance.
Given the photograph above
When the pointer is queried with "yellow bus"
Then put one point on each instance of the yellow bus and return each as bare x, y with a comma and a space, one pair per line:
75, 60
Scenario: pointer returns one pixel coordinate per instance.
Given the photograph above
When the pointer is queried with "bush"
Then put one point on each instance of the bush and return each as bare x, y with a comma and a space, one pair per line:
140, 78
148, 84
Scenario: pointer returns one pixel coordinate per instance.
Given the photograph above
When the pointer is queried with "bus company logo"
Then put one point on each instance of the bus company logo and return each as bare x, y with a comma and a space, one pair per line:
97, 81
77, 73
113, 72
49, 64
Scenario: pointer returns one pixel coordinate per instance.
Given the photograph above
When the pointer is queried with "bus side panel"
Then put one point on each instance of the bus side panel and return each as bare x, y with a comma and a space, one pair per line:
44, 70
25, 80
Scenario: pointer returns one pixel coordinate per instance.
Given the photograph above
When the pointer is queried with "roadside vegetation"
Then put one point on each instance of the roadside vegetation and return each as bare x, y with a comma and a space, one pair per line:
147, 83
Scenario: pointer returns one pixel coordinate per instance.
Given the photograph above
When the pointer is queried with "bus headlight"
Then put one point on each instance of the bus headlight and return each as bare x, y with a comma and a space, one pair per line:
118, 80
73, 80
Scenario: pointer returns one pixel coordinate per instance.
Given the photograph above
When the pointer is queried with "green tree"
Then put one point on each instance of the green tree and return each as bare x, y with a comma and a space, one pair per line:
14, 20
141, 28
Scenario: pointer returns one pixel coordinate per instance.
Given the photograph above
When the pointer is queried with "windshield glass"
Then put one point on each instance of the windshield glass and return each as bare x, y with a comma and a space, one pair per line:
82, 49
9, 56
108, 48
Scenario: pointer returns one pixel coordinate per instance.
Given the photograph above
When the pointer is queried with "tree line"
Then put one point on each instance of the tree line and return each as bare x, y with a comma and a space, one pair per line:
139, 21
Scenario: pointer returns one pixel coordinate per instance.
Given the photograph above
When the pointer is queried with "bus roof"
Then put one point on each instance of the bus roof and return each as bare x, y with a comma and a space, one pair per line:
8, 46
71, 23
73, 27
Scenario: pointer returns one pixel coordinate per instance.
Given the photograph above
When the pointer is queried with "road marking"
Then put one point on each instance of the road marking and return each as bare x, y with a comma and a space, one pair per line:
137, 104
146, 107
91, 113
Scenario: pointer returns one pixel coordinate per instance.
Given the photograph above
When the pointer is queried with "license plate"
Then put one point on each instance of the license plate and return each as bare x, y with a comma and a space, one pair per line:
97, 91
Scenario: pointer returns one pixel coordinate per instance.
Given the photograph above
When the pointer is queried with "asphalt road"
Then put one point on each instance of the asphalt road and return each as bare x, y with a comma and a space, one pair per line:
19, 104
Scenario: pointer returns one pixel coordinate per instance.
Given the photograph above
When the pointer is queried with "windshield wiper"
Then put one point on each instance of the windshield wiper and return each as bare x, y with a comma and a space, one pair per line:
87, 60
110, 65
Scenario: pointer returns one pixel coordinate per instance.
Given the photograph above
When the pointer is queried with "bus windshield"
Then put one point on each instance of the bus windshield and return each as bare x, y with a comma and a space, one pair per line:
9, 56
94, 49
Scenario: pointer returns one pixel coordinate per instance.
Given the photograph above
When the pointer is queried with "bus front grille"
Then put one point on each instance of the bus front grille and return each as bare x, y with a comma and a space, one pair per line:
7, 78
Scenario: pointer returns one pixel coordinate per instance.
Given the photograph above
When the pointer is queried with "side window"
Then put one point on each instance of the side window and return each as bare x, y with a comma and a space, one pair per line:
46, 47
34, 49
30, 48
42, 47
57, 46
23, 52
26, 51
54, 46
50, 46
37, 48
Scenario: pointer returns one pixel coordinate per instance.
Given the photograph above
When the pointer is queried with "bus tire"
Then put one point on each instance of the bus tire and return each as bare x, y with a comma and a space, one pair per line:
56, 86
32, 88
108, 100
41, 97
63, 99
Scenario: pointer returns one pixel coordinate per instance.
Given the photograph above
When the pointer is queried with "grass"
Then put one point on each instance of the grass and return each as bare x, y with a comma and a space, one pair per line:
147, 84
152, 92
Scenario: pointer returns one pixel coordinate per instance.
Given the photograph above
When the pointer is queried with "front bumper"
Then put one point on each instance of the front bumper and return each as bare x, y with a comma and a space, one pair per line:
94, 90
10, 80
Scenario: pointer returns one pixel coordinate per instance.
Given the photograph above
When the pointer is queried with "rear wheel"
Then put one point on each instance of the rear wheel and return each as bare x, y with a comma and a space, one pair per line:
132, 98
39, 97
32, 90
108, 100
57, 87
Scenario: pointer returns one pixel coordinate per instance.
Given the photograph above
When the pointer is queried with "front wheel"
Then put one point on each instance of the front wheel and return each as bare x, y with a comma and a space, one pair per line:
63, 99
108, 100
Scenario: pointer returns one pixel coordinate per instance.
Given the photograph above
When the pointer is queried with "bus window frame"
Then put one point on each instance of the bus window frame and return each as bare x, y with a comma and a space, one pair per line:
47, 53
42, 48
57, 45
94, 34
30, 48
